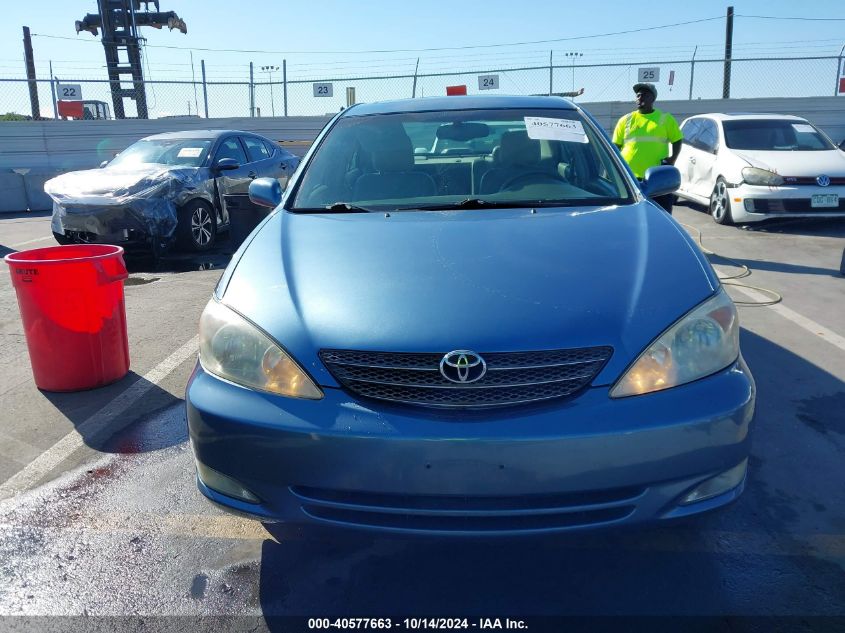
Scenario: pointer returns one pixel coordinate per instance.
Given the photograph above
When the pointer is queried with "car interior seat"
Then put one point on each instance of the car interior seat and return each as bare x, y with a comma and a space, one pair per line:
517, 155
392, 157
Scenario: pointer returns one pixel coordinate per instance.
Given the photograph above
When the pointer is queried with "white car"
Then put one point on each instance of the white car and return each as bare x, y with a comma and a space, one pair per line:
752, 167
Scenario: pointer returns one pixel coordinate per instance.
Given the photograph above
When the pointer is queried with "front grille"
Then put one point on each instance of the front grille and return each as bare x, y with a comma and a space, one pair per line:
456, 513
446, 523
811, 180
511, 378
792, 205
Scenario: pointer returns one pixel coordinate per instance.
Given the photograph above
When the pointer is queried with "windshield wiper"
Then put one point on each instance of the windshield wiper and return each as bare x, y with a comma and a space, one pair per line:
347, 208
478, 203
336, 207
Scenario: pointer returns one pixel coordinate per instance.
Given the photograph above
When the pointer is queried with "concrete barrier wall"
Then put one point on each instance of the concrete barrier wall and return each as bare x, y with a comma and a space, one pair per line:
43, 149
31, 152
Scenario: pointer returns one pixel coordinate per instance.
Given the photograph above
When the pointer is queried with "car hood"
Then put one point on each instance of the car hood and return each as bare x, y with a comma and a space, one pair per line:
117, 184
797, 164
489, 281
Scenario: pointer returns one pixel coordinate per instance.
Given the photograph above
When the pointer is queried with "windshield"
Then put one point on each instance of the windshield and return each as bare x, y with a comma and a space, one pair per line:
435, 160
774, 136
176, 151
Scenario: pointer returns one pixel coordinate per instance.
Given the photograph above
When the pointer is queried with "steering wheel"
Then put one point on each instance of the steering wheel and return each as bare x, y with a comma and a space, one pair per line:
536, 178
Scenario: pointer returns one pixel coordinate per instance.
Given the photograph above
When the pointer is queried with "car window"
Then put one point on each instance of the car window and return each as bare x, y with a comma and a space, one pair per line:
231, 148
708, 136
422, 160
271, 147
255, 148
691, 128
774, 135
172, 151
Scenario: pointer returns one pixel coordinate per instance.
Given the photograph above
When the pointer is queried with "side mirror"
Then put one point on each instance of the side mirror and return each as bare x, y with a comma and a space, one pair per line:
265, 192
103, 164
226, 164
661, 180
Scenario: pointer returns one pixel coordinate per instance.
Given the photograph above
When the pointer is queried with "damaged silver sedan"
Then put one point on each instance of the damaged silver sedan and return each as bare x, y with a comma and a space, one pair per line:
176, 188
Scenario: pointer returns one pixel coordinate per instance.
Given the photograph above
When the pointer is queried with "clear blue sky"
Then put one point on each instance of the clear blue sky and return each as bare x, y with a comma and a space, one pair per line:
321, 38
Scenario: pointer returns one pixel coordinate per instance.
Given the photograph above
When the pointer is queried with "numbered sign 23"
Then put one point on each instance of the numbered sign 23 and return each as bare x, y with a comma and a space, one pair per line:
70, 92
649, 74
323, 90
488, 82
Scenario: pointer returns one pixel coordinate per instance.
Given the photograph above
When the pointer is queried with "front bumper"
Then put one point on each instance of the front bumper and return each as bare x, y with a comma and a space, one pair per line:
753, 203
135, 223
589, 462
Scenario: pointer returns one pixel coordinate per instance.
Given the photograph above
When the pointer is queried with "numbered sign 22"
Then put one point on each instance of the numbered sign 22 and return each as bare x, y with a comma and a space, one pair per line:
651, 75
323, 90
488, 82
70, 92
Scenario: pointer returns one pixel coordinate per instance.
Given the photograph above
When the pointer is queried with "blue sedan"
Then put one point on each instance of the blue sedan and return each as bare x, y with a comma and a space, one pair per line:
466, 317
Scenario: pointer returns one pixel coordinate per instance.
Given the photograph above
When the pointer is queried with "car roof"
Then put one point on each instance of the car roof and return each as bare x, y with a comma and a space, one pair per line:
210, 135
748, 116
475, 102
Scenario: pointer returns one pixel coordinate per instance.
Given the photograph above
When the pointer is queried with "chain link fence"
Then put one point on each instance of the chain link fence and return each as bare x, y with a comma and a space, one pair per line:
296, 96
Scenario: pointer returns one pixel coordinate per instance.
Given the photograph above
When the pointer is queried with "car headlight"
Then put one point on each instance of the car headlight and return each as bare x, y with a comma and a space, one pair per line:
756, 176
233, 348
703, 342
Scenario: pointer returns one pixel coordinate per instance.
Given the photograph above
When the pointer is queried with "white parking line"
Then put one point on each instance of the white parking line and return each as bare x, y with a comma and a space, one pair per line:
96, 424
808, 324
37, 239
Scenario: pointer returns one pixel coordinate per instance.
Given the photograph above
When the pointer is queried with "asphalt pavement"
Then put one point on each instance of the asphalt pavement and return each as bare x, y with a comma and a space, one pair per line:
102, 525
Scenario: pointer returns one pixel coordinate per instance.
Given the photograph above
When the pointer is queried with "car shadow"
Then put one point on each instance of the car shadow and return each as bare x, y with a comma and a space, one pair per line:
781, 267
154, 421
178, 261
748, 559
809, 226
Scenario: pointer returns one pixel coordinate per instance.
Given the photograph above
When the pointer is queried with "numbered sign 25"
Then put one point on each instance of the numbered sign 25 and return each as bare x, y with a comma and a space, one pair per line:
70, 92
649, 74
488, 82
323, 90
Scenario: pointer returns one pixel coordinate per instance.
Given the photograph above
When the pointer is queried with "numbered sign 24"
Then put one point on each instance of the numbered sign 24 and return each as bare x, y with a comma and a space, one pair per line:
70, 92
488, 82
650, 75
323, 90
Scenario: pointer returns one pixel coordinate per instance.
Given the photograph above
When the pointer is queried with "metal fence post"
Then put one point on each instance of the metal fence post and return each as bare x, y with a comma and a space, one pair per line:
285, 84
53, 92
692, 72
551, 72
251, 91
204, 88
414, 89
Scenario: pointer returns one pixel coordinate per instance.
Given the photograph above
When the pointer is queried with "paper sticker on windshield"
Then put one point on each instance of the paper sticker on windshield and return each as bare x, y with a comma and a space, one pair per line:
541, 128
190, 152
803, 127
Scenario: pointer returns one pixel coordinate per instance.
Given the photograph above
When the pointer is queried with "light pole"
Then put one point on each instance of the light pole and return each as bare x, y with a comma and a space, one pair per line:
573, 55
269, 70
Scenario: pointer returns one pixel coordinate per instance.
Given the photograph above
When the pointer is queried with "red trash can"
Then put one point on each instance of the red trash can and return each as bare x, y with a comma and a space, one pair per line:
74, 316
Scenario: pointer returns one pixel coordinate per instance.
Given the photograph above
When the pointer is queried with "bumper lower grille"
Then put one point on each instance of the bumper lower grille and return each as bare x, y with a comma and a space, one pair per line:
792, 205
452, 513
511, 377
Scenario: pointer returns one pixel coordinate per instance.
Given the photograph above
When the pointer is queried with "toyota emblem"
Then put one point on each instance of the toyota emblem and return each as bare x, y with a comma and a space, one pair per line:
463, 366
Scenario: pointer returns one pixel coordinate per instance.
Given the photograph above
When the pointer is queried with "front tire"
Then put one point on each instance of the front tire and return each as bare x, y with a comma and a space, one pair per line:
720, 203
61, 239
197, 227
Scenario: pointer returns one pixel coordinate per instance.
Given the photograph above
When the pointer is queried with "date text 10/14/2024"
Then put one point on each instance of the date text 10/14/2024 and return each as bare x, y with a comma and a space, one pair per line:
417, 623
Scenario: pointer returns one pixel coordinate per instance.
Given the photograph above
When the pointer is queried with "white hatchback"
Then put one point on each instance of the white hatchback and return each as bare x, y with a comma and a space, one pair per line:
752, 167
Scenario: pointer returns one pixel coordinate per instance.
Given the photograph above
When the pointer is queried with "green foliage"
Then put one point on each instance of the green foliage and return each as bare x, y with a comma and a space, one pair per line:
13, 116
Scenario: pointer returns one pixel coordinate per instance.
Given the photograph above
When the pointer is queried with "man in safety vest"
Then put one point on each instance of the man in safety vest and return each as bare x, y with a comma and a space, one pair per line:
644, 137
